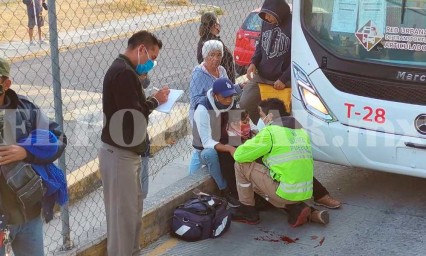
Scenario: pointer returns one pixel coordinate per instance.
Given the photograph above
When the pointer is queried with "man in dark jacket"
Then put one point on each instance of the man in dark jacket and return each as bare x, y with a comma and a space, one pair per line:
271, 62
126, 110
18, 119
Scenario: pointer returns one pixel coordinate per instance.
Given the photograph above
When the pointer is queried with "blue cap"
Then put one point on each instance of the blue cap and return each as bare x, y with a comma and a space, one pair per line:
224, 87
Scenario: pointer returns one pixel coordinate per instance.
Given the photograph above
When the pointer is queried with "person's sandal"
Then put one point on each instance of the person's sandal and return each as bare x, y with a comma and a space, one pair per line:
328, 202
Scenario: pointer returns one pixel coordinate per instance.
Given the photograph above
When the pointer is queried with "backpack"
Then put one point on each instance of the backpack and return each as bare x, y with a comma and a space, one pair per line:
200, 218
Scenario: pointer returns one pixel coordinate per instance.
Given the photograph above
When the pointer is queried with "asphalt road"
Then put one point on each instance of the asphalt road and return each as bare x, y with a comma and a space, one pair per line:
382, 214
84, 68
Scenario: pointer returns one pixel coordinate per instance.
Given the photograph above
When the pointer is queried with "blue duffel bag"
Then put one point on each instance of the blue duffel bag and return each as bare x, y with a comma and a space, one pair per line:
201, 218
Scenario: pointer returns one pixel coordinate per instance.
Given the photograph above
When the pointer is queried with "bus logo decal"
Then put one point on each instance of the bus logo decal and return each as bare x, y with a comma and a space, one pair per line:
414, 77
369, 36
420, 124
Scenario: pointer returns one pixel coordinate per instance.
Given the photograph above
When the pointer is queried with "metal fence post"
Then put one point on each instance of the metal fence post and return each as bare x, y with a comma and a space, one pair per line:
56, 77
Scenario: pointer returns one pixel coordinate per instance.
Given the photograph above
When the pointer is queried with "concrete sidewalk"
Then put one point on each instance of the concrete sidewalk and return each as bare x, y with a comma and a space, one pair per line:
86, 210
90, 212
113, 29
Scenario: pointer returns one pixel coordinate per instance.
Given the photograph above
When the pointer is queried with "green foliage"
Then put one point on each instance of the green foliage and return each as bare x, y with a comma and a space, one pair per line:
217, 10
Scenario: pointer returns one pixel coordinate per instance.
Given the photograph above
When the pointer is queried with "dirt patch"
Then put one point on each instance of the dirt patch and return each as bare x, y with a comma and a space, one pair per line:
76, 14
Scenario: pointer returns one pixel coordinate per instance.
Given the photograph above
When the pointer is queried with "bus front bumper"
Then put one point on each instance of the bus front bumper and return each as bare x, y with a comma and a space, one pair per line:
351, 146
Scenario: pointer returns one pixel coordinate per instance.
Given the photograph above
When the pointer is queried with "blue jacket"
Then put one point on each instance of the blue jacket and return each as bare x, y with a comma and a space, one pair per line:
20, 121
201, 82
44, 145
272, 57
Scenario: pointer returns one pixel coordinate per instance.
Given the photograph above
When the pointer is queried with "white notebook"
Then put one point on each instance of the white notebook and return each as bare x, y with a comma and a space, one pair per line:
174, 95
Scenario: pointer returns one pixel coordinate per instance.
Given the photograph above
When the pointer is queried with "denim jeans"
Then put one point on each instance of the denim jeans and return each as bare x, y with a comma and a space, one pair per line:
195, 163
27, 239
209, 157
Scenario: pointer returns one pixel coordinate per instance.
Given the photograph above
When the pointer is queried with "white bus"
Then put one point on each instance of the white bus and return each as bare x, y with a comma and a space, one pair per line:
359, 81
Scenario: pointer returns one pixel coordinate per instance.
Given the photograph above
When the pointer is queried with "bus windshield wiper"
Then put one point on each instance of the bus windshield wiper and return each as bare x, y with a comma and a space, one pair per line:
404, 4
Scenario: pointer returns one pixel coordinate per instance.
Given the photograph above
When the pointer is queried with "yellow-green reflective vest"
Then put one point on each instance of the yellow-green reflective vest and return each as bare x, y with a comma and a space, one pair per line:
290, 162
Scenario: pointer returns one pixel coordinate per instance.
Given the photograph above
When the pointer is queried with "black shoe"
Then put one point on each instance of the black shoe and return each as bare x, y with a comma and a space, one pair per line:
245, 214
232, 201
298, 214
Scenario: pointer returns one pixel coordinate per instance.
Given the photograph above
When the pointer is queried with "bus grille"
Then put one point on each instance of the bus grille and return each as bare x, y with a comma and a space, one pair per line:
379, 89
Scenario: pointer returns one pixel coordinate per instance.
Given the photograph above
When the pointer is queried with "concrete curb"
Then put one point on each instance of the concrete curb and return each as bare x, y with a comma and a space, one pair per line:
158, 212
41, 53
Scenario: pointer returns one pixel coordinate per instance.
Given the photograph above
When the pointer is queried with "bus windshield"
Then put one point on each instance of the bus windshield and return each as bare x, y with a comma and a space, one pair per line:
390, 31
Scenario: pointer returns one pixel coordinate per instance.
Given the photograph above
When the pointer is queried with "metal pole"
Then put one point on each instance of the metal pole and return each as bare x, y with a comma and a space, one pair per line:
56, 75
35, 13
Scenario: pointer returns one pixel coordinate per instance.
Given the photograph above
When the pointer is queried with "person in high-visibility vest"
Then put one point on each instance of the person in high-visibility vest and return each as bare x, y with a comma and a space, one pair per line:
285, 179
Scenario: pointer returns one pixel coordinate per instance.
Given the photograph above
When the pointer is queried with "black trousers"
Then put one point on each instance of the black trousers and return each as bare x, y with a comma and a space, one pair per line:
319, 190
227, 168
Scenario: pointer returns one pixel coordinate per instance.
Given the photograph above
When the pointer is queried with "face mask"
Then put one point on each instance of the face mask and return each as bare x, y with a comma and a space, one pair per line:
146, 67
220, 105
261, 124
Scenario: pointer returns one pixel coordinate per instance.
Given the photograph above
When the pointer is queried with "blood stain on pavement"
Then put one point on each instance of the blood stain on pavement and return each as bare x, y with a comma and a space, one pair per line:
288, 240
271, 236
320, 242
267, 239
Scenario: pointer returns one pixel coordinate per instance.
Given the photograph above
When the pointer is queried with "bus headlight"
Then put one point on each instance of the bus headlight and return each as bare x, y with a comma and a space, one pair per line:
311, 99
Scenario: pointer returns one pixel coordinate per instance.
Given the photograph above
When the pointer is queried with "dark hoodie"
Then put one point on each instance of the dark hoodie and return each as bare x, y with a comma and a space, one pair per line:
272, 57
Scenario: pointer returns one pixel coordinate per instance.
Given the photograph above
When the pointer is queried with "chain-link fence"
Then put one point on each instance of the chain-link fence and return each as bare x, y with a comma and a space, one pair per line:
61, 68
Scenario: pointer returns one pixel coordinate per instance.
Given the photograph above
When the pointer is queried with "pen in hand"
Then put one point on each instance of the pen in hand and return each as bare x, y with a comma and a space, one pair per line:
162, 89
161, 95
